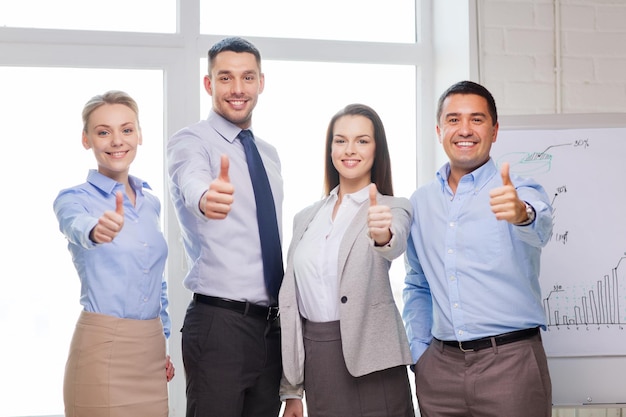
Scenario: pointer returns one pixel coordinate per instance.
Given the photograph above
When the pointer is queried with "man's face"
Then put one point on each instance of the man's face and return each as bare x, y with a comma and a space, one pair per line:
235, 83
466, 131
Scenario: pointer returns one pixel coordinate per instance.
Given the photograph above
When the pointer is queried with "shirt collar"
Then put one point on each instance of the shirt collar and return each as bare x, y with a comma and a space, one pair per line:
223, 127
358, 197
479, 177
107, 185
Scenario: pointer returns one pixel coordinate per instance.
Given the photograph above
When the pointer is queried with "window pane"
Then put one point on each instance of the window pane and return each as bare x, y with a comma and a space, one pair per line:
116, 15
293, 114
41, 126
350, 20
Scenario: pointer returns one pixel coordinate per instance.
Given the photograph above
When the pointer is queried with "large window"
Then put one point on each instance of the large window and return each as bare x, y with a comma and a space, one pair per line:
46, 76
298, 102
293, 114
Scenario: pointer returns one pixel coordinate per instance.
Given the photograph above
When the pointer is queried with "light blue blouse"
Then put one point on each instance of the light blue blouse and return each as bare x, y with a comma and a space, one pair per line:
123, 278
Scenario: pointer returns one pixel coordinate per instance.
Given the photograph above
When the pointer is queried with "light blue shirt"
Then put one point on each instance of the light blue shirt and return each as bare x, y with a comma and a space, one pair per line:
224, 256
470, 275
123, 278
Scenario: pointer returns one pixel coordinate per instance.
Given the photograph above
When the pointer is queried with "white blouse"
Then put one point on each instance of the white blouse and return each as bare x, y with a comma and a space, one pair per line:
315, 259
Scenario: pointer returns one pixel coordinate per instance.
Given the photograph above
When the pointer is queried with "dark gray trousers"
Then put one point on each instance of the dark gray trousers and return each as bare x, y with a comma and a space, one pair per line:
232, 363
331, 391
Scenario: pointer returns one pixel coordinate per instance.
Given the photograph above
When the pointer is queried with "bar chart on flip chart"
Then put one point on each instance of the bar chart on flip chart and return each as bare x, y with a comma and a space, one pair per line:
600, 306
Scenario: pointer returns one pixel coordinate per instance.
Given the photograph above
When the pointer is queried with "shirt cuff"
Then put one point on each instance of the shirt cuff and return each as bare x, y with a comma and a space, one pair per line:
385, 247
290, 397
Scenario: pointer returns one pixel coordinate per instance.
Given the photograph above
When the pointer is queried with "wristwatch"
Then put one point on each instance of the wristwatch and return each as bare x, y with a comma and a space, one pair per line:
530, 212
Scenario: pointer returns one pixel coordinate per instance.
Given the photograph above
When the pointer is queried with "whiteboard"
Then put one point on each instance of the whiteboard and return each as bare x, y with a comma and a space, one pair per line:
580, 160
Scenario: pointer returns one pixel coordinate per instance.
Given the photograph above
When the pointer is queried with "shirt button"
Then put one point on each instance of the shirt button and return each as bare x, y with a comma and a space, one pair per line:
452, 224
456, 305
460, 332
452, 277
344, 299
450, 250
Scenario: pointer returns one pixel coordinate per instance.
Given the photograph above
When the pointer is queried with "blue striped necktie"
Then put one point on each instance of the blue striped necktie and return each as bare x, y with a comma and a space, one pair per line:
266, 217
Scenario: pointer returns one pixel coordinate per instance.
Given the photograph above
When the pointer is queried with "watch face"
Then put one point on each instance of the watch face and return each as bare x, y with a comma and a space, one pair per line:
531, 213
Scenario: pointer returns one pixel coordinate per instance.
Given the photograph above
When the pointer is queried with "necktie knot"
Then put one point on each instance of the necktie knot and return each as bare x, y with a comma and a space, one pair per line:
245, 135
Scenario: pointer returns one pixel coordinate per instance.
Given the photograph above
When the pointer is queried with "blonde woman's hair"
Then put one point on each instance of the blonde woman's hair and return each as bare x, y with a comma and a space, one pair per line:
110, 97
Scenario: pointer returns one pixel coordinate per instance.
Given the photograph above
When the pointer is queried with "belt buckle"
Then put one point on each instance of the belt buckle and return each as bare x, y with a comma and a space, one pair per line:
464, 350
272, 313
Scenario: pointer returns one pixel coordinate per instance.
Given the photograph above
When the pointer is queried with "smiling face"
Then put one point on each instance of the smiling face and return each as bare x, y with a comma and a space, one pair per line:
353, 149
466, 131
234, 84
113, 133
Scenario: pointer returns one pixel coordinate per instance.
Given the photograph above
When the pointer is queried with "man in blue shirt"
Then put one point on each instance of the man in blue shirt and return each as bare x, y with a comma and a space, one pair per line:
472, 296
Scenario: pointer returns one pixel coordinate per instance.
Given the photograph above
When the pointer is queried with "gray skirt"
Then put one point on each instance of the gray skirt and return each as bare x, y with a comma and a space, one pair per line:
116, 367
331, 391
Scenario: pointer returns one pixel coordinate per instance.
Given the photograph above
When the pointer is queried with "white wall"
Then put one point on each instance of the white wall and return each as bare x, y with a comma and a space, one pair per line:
553, 56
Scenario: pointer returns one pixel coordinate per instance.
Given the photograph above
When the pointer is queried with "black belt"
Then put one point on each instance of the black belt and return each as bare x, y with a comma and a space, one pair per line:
485, 342
243, 307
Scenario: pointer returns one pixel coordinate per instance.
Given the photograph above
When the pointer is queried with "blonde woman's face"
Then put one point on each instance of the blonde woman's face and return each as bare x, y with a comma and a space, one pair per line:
113, 134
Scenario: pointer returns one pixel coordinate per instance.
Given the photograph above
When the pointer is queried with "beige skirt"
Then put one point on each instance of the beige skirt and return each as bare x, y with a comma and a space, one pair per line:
116, 367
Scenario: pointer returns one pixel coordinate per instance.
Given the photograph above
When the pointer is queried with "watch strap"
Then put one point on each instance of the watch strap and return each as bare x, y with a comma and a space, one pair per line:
530, 212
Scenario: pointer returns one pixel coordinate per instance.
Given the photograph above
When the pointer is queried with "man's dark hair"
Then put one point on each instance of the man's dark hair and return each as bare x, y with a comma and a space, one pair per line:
234, 44
469, 87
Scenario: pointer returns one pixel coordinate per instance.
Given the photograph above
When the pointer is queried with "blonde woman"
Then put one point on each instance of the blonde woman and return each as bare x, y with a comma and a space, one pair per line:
117, 364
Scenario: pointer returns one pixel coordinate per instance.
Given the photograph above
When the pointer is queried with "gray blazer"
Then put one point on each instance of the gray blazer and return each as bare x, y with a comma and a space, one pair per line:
372, 331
